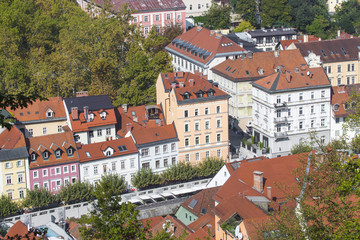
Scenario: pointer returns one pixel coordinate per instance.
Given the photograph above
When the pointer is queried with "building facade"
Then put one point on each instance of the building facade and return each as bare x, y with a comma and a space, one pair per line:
199, 111
196, 8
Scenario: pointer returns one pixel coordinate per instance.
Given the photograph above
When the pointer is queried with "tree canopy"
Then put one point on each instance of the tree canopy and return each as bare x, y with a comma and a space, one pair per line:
246, 9
347, 16
218, 17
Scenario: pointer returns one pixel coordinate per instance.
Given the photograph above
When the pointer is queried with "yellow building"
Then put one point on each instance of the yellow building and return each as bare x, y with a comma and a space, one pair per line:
199, 111
14, 165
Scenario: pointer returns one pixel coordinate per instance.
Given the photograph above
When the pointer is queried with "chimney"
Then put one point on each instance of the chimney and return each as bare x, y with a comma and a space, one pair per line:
135, 118
181, 84
306, 38
179, 74
250, 55
125, 107
128, 127
86, 113
74, 113
268, 192
258, 181
192, 83
276, 53
82, 94
338, 33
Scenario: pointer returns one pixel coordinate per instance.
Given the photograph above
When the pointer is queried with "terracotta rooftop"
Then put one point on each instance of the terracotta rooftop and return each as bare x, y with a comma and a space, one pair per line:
12, 139
155, 134
202, 45
340, 97
258, 65
38, 111
191, 88
141, 6
338, 50
20, 229
200, 234
152, 221
50, 144
202, 202
178, 227
205, 222
95, 151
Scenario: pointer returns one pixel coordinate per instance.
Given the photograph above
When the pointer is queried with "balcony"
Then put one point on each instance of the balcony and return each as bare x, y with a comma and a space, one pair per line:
281, 134
280, 105
280, 120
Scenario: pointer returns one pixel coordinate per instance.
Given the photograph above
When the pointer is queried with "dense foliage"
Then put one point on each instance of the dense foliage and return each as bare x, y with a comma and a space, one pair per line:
218, 17
56, 48
348, 18
7, 206
76, 192
39, 198
177, 173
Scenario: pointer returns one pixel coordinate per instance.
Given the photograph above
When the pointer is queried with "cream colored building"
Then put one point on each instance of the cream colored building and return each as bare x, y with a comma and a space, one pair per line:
199, 111
332, 4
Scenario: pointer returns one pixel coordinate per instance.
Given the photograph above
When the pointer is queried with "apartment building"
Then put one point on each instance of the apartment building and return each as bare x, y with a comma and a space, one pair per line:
54, 161
91, 118
290, 104
14, 164
267, 39
200, 49
235, 77
196, 8
41, 118
199, 111
147, 13
340, 58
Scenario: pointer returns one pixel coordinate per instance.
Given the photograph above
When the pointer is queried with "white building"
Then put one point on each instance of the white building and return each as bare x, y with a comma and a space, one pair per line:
197, 7
290, 104
200, 49
116, 156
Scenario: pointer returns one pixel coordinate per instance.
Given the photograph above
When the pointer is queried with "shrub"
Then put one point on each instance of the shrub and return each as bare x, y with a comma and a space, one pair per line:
77, 192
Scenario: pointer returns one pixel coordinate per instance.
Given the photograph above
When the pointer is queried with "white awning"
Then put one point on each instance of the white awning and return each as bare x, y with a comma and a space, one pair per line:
145, 197
154, 196
134, 200
166, 194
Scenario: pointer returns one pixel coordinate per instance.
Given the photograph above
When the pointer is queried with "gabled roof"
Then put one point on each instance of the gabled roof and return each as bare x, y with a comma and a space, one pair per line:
143, 6
337, 50
155, 134
38, 145
200, 234
37, 111
258, 65
340, 96
91, 152
288, 80
202, 45
179, 227
191, 83
12, 138
81, 124
205, 222
95, 103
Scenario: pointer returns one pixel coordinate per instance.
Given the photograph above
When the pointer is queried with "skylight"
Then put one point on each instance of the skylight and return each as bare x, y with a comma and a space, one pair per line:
88, 154
322, 51
193, 203
122, 148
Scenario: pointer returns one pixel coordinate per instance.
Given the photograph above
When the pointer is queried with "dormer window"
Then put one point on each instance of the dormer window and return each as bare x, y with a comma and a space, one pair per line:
91, 117
108, 153
49, 113
33, 156
346, 105
210, 92
70, 151
58, 153
103, 115
336, 107
45, 155
199, 94
186, 95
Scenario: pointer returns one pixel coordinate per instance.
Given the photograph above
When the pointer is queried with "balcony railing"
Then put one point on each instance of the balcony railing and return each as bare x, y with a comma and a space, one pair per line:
280, 119
281, 134
280, 105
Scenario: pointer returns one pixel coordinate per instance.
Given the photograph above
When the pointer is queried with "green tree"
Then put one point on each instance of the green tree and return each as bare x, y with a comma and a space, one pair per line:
7, 206
210, 166
76, 192
246, 9
275, 11
320, 27
347, 16
243, 26
179, 172
145, 178
217, 17
39, 198
301, 148
111, 219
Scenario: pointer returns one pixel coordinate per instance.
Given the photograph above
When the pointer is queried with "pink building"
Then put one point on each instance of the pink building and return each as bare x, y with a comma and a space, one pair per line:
161, 13
54, 161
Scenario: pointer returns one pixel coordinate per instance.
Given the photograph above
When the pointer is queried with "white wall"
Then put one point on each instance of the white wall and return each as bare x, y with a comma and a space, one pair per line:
220, 178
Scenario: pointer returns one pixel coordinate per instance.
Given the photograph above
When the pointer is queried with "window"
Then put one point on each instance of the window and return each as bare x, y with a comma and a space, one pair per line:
58, 183
57, 153
168, 16
157, 164
113, 166
60, 129
91, 133
187, 157
165, 148
337, 133
207, 124
218, 137
73, 168
86, 171
45, 155
31, 132
99, 132
322, 139
21, 194
278, 129
44, 130
339, 81
33, 156
206, 111
300, 96
144, 152
339, 68
337, 120
348, 80
312, 95
96, 171
329, 69
173, 147
300, 110
70, 151
312, 123
146, 30
199, 6
132, 163
268, 39
196, 112
218, 153
278, 99
289, 97
66, 169
135, 20
57, 171
146, 165
186, 113
218, 123
187, 142
353, 80
66, 181
122, 165
322, 107
36, 185
108, 131
197, 140
179, 16
217, 109
207, 154
323, 93
45, 172
301, 125
278, 113
35, 174
207, 5
166, 162
289, 112
289, 126
146, 18
186, 127
207, 139
323, 122
18, 163
312, 109
173, 160
10, 195
157, 150
197, 126
8, 180
157, 17
8, 165
190, 7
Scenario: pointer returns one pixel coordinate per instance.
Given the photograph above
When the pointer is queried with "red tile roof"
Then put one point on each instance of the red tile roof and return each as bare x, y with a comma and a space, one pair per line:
290, 79
20, 229
200, 234
188, 84
12, 139
203, 39
178, 230
37, 110
206, 222
340, 97
146, 5
81, 124
95, 151
60, 140
155, 134
259, 65
152, 221
204, 200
